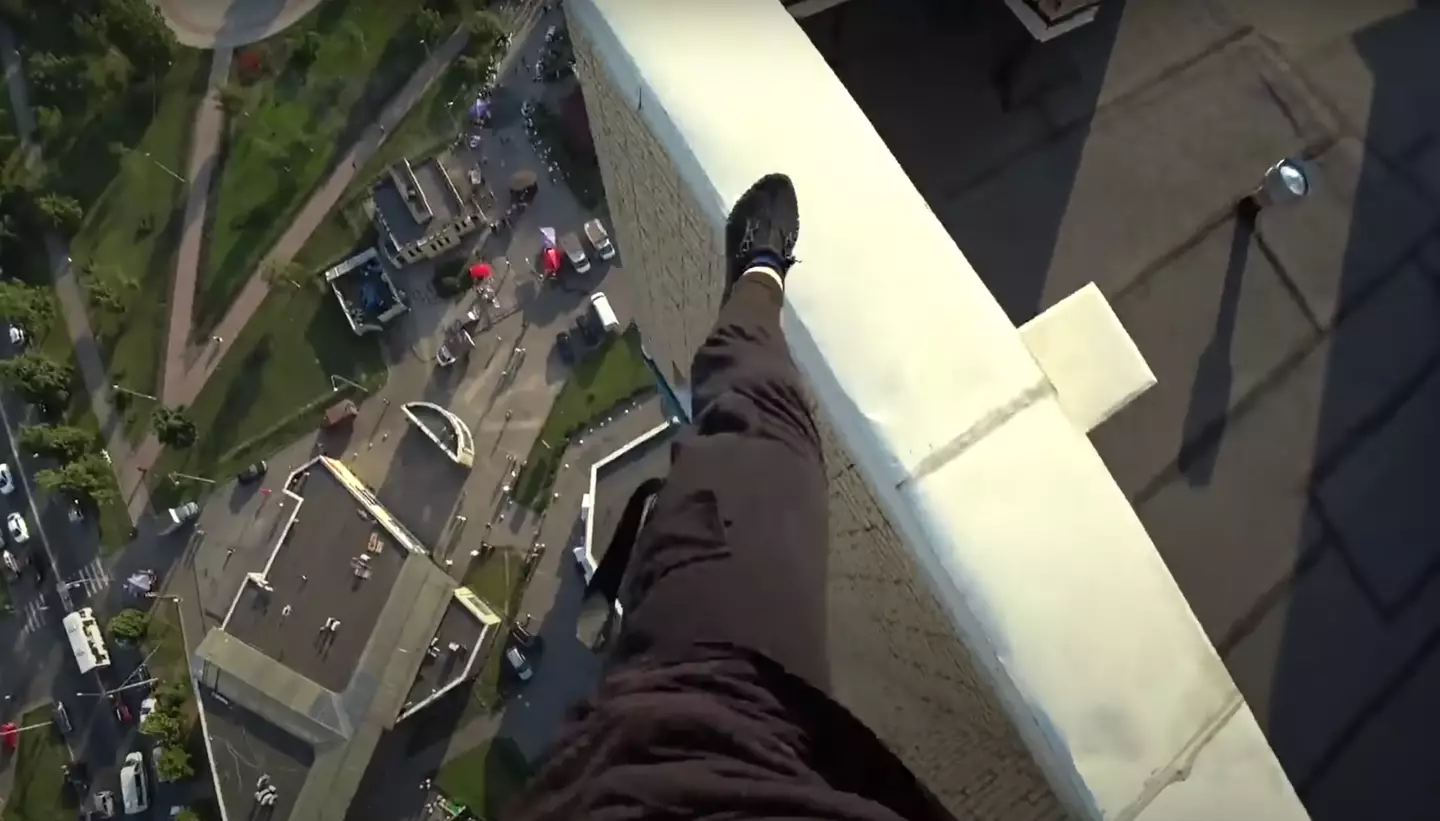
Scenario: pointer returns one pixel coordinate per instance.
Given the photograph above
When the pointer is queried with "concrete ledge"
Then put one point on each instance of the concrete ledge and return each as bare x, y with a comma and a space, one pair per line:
1032, 550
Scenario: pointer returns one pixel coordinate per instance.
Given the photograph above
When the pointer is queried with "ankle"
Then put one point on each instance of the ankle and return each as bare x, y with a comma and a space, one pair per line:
769, 260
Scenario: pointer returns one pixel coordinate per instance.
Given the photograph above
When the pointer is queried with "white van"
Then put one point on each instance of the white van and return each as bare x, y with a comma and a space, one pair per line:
604, 315
134, 791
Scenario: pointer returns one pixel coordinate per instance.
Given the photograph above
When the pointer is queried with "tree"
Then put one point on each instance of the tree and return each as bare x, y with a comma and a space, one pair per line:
129, 624
475, 69
89, 477
60, 212
430, 25
232, 99
187, 814
62, 443
48, 121
136, 28
172, 695
174, 764
354, 35
28, 306
485, 28
108, 292
304, 48
173, 427
163, 725
38, 378
59, 80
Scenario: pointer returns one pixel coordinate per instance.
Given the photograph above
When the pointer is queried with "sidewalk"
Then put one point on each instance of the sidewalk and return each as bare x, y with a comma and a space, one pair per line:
72, 301
183, 384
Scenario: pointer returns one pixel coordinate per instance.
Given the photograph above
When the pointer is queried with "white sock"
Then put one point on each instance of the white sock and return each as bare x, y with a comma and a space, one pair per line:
766, 271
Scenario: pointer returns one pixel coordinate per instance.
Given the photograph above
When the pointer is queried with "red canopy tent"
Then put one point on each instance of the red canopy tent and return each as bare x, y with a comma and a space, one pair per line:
480, 270
551, 259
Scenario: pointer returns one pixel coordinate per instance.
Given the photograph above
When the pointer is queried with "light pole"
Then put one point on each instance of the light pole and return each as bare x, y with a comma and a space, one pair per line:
174, 476
161, 165
122, 688
119, 389
336, 381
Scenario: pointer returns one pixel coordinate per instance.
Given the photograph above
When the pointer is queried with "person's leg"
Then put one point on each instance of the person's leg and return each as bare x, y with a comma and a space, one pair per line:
734, 550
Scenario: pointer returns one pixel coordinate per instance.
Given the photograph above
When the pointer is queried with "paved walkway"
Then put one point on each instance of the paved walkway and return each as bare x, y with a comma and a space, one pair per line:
72, 301
183, 385
204, 161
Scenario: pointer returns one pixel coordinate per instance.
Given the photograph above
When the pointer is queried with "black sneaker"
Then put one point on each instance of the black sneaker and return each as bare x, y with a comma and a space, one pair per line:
765, 220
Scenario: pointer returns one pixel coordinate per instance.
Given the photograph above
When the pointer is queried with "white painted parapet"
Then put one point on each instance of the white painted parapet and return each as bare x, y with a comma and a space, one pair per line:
971, 437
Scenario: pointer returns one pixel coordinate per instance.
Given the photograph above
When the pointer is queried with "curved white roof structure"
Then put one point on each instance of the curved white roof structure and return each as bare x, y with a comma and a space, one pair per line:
969, 432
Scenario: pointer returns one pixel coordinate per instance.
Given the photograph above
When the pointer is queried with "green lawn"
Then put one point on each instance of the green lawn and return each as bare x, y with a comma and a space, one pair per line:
131, 233
39, 792
616, 372
273, 385
496, 579
297, 117
433, 121
170, 663
485, 778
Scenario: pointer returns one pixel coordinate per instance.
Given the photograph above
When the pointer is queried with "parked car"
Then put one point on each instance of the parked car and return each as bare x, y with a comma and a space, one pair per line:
595, 232
18, 335
147, 709
253, 473
10, 734
19, 532
443, 357
575, 252
519, 664
74, 512
603, 313
122, 710
565, 347
340, 413
7, 479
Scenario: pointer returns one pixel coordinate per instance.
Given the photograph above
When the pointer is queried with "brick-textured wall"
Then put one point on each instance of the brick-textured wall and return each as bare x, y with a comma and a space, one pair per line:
897, 664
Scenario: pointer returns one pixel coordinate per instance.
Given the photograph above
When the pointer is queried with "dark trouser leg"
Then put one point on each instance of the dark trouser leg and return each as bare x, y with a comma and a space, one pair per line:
735, 549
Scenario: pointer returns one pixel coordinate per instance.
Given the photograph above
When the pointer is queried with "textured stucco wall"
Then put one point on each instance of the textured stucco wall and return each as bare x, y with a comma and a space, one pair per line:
897, 664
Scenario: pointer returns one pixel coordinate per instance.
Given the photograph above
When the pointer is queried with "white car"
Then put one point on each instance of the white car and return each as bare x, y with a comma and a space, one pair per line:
19, 533
443, 357
519, 663
105, 804
147, 709
7, 480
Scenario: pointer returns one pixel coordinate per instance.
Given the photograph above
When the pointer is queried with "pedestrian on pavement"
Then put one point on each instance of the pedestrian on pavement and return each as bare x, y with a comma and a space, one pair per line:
707, 709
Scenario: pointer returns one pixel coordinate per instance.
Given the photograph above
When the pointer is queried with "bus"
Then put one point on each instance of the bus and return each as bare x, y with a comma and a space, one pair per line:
86, 642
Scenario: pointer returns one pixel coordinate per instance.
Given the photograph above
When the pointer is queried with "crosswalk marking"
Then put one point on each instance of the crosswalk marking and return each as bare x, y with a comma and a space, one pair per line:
35, 612
93, 577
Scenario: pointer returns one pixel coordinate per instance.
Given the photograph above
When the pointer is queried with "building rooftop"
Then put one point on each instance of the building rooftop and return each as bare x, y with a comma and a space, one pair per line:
465, 629
313, 573
616, 479
246, 747
282, 678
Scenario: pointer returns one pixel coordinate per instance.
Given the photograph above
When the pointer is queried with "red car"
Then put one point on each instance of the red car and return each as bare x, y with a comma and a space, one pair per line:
11, 733
122, 711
